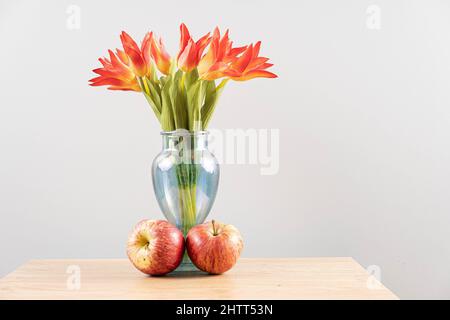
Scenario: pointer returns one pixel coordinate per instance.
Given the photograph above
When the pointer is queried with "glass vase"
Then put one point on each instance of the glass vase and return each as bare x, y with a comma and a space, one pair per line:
185, 178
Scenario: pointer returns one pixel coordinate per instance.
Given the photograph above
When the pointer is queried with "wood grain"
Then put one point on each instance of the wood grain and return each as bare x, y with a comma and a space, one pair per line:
290, 278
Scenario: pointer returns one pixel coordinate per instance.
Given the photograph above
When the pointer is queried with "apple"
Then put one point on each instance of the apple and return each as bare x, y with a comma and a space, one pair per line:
214, 247
155, 247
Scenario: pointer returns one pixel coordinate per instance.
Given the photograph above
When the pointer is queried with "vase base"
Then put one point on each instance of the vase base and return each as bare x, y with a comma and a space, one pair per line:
186, 266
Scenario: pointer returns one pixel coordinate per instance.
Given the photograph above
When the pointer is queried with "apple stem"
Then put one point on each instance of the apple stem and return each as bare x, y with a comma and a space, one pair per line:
214, 228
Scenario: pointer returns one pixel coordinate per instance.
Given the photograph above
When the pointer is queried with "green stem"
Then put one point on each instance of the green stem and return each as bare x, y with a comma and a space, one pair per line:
209, 114
187, 181
146, 91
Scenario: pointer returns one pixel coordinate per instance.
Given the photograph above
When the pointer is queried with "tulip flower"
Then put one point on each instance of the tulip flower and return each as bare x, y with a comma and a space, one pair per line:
190, 51
156, 50
116, 72
249, 65
215, 62
138, 63
183, 98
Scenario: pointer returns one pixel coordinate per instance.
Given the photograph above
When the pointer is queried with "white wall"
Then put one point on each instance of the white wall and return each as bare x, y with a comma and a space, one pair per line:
364, 128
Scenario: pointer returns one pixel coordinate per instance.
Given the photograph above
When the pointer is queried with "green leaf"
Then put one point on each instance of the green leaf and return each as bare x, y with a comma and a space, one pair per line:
154, 93
152, 99
167, 120
162, 80
153, 106
178, 101
212, 95
195, 96
154, 75
190, 78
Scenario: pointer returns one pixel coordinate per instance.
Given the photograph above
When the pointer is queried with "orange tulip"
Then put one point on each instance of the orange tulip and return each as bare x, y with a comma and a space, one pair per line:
138, 63
249, 65
156, 50
116, 73
190, 51
215, 62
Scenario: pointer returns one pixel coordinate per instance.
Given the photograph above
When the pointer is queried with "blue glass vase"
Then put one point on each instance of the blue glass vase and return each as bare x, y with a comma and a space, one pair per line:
185, 178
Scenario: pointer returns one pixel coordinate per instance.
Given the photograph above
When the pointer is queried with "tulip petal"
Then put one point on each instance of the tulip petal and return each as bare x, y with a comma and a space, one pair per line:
201, 45
128, 42
105, 62
184, 39
265, 66
185, 62
255, 63
255, 74
242, 62
256, 49
122, 56
238, 50
160, 55
146, 47
134, 53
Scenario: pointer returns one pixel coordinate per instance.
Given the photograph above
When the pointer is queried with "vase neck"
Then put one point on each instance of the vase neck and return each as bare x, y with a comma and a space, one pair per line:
188, 140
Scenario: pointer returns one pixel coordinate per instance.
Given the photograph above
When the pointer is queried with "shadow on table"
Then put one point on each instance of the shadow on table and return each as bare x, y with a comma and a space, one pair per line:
187, 274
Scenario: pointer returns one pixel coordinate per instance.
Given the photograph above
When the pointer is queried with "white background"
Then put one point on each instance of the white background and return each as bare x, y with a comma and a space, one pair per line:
363, 114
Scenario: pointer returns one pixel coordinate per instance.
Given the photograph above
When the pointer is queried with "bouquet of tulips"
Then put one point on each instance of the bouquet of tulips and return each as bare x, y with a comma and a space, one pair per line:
184, 93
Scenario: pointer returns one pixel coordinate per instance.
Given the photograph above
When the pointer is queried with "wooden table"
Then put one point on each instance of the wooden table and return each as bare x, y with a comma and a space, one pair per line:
293, 278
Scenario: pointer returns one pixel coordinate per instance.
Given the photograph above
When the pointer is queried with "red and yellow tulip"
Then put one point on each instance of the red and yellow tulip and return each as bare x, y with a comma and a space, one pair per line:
134, 68
138, 63
215, 62
116, 73
190, 51
153, 49
249, 65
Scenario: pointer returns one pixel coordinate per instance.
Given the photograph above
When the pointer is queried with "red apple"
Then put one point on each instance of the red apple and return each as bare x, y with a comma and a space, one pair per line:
214, 247
155, 247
